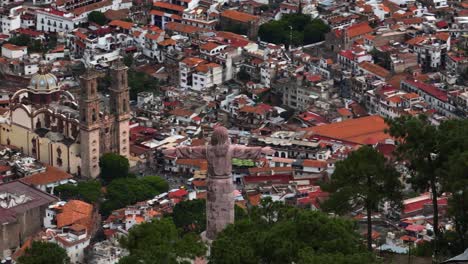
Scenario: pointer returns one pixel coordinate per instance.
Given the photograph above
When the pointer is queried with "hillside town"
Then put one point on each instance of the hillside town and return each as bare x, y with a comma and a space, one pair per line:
113, 114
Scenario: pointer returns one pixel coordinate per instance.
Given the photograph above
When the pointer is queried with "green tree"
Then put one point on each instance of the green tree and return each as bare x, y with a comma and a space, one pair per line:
88, 191
159, 242
44, 253
364, 179
113, 166
127, 191
97, 17
128, 60
454, 147
419, 147
190, 215
303, 30
276, 233
141, 82
21, 40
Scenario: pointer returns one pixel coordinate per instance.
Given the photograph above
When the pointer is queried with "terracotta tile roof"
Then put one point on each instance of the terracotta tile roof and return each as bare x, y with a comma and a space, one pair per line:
88, 8
344, 112
358, 30
358, 130
13, 47
116, 14
239, 16
51, 175
429, 89
209, 46
314, 163
202, 164
157, 13
169, 6
121, 24
167, 42
375, 69
193, 61
181, 112
416, 40
179, 27
73, 212
206, 67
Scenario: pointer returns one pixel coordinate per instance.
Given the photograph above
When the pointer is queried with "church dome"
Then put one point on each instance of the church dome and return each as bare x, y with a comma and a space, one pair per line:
43, 82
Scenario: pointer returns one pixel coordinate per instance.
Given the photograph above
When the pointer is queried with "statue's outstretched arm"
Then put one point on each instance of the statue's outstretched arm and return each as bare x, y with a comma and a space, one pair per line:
243, 152
186, 152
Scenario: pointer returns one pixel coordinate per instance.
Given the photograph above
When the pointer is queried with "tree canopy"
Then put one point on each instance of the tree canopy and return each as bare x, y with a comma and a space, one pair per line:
44, 253
276, 233
127, 191
159, 242
34, 45
363, 179
437, 159
98, 18
304, 30
141, 82
88, 191
113, 166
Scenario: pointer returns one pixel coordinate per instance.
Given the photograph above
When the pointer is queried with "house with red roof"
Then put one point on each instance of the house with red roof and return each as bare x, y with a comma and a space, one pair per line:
435, 97
249, 23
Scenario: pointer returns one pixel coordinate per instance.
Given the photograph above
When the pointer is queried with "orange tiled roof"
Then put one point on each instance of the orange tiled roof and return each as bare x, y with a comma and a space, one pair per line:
416, 40
51, 175
344, 112
239, 16
193, 61
13, 47
121, 24
358, 130
181, 112
209, 46
206, 67
74, 211
169, 6
358, 29
375, 69
314, 163
167, 42
202, 164
88, 8
179, 27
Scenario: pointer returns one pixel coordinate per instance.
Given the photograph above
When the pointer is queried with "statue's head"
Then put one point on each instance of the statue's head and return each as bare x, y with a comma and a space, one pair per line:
220, 136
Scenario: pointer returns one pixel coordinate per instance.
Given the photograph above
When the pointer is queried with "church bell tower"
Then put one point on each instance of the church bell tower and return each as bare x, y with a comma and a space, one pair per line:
89, 125
119, 107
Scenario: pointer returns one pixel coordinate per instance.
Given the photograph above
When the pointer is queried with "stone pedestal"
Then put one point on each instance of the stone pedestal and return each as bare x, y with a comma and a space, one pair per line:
219, 205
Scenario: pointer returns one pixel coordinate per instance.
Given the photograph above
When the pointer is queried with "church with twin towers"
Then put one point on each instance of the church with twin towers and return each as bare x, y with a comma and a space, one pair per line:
48, 123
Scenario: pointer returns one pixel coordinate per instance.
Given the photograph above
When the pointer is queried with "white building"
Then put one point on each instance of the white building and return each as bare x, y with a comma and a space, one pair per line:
11, 19
207, 76
12, 51
50, 20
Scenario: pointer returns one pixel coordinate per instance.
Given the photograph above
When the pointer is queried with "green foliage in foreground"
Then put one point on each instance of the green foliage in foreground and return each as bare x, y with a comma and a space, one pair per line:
44, 253
160, 242
276, 233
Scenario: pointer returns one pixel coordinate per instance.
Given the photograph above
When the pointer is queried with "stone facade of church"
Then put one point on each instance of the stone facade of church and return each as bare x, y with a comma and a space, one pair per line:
50, 124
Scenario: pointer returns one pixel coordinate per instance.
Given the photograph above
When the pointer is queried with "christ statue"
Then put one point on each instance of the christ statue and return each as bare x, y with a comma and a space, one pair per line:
219, 154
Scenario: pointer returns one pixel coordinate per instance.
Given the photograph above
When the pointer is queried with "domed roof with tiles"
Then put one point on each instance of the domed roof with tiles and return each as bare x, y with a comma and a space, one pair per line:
43, 82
